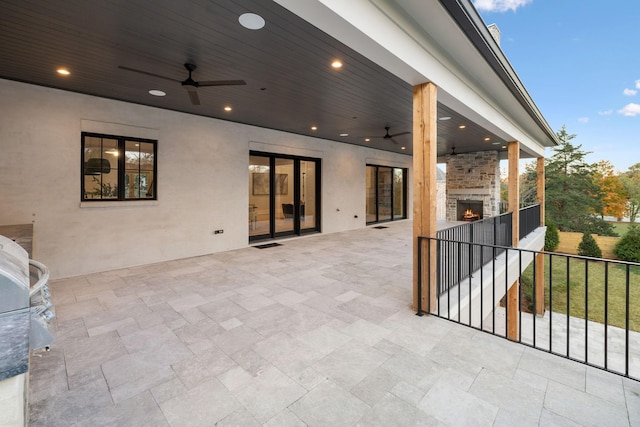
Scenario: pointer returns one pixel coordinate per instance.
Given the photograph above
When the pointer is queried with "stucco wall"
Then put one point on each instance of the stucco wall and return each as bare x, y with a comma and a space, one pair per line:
202, 180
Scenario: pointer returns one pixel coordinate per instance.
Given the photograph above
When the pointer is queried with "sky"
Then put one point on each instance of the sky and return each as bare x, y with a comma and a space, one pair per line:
580, 62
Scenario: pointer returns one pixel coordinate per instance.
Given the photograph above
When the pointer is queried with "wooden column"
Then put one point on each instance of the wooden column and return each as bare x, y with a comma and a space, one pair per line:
540, 277
425, 141
513, 306
540, 188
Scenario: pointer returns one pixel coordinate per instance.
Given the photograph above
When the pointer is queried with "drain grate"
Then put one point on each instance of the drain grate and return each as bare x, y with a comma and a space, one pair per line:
267, 245
380, 227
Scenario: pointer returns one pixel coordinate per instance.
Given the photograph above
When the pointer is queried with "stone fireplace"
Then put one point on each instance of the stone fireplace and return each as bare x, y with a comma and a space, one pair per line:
473, 178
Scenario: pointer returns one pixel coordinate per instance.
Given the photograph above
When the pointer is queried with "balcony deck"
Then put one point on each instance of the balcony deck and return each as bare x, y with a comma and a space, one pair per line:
318, 331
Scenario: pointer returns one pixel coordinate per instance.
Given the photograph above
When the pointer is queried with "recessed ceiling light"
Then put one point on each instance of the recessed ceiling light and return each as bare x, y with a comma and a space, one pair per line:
403, 148
344, 134
227, 108
504, 146
156, 92
487, 139
445, 118
336, 64
367, 139
462, 126
251, 21
63, 71
314, 127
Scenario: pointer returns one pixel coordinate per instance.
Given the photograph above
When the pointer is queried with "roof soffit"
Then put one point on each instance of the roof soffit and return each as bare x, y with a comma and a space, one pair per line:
446, 57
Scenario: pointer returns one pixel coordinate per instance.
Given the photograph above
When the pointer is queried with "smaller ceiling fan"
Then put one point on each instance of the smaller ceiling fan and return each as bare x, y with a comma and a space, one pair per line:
388, 136
189, 84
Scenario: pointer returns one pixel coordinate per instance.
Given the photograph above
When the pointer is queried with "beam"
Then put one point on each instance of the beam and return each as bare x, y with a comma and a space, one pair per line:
540, 188
513, 306
425, 142
539, 309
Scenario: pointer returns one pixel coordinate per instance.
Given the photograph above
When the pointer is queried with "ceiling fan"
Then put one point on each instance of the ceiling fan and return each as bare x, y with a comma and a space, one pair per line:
388, 136
189, 84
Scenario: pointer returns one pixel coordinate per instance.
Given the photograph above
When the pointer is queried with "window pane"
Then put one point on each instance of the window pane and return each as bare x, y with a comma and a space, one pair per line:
371, 194
308, 195
138, 178
100, 168
284, 195
259, 196
384, 193
398, 193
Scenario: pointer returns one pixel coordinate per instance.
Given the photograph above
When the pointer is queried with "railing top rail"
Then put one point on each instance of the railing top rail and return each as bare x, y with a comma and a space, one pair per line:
511, 248
480, 221
530, 207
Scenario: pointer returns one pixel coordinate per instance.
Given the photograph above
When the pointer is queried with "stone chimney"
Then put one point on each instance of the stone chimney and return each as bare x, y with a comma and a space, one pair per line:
495, 32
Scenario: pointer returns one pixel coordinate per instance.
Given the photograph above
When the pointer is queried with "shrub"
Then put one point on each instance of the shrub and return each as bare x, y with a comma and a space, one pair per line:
589, 247
628, 248
551, 237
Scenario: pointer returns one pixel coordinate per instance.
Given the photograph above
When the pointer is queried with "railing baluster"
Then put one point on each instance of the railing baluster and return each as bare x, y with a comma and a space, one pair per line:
626, 351
606, 314
586, 311
568, 306
550, 303
534, 294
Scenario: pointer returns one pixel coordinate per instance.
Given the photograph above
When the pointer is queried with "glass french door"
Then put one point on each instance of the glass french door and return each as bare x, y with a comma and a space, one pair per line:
386, 193
283, 195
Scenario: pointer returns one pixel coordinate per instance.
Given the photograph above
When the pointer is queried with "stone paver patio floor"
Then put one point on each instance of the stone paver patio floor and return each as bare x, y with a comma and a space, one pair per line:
316, 332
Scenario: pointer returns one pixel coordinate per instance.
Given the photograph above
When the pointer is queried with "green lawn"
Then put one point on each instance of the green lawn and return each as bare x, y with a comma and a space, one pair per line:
620, 227
576, 290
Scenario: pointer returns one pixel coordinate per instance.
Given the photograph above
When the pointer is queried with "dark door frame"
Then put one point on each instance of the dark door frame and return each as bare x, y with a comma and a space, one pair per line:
297, 230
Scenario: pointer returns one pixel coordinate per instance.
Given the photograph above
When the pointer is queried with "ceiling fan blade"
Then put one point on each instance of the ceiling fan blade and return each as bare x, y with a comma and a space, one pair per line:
393, 140
399, 134
193, 96
222, 83
147, 73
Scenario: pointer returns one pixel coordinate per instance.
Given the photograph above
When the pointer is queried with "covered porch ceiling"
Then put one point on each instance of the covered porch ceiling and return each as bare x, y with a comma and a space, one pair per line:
290, 83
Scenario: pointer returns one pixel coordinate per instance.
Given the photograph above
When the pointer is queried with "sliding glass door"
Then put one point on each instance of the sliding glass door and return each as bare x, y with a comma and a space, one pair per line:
283, 195
386, 193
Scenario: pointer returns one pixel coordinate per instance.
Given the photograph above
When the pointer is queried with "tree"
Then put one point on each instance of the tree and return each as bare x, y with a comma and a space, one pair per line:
529, 185
614, 194
572, 197
589, 247
551, 237
628, 248
631, 182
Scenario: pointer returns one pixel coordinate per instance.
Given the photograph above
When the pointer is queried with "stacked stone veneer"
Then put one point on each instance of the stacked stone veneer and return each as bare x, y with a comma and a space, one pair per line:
474, 176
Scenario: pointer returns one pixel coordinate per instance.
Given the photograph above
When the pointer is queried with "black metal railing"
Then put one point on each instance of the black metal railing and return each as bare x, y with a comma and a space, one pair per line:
580, 308
529, 220
457, 260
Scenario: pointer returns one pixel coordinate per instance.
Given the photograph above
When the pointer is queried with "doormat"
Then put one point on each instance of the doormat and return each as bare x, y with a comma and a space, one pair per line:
380, 227
267, 245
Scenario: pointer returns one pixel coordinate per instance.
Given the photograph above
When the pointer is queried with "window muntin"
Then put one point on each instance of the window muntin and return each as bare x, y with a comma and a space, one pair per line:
118, 168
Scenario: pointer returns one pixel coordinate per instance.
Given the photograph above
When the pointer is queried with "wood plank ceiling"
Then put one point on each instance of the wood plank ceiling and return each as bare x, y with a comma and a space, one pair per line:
286, 65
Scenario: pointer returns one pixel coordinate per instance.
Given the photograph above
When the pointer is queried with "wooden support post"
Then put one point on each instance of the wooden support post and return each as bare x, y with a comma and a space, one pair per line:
425, 142
540, 188
513, 300
540, 276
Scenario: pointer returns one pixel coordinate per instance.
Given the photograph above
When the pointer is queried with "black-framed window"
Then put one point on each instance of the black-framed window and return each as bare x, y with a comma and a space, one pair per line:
117, 168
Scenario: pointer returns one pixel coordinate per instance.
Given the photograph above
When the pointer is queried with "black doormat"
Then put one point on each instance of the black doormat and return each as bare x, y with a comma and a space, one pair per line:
380, 227
267, 245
